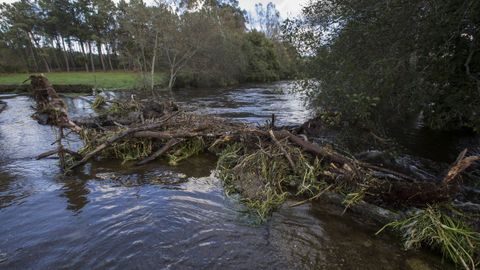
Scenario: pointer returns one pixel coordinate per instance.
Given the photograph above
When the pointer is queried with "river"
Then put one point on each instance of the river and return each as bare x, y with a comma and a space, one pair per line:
113, 216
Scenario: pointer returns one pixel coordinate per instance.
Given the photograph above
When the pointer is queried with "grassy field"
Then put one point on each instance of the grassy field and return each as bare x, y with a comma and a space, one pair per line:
109, 80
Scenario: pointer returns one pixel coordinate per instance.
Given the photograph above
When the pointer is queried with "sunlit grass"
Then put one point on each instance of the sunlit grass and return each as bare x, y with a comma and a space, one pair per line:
108, 80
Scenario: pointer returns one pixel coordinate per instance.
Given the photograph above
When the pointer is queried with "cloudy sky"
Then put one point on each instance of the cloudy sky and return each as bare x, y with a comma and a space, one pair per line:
287, 8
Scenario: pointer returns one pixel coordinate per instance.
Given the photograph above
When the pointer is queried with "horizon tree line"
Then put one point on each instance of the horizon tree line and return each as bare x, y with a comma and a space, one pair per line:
195, 36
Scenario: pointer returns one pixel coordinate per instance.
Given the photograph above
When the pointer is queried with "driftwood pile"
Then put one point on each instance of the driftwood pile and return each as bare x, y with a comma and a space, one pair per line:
167, 127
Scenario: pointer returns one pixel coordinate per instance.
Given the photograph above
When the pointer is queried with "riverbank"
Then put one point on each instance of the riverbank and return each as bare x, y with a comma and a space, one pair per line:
75, 81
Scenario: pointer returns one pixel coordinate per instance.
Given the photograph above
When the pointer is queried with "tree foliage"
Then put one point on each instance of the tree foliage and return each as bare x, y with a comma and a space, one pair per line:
195, 42
394, 58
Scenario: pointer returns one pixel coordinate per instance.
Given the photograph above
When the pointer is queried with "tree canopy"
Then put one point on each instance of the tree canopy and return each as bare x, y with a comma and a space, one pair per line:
195, 42
390, 59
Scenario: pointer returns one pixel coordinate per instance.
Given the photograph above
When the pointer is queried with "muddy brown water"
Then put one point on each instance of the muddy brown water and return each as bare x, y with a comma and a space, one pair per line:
113, 216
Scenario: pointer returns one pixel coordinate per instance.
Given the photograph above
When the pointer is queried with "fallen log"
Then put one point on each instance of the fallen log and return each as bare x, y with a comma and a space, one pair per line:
459, 166
160, 152
57, 151
333, 156
120, 136
285, 153
164, 135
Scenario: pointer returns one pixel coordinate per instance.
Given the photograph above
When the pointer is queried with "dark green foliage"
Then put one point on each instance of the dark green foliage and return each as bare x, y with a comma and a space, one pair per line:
396, 58
263, 64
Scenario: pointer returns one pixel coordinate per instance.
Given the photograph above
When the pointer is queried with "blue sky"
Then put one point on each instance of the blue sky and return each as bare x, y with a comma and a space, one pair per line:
287, 8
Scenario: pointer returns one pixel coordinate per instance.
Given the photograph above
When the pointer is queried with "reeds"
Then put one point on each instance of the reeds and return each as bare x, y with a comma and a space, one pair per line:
433, 227
265, 177
98, 103
186, 150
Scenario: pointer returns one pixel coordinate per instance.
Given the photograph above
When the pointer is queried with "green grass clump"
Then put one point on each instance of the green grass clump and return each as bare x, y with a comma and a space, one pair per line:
227, 160
98, 103
105, 80
131, 149
186, 150
433, 227
263, 208
264, 177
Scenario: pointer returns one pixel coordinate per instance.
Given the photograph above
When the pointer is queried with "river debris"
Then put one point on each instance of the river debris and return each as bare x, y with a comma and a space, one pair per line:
434, 227
265, 164
51, 109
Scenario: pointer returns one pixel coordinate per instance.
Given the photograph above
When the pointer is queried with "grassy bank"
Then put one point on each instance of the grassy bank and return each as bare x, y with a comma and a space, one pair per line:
109, 80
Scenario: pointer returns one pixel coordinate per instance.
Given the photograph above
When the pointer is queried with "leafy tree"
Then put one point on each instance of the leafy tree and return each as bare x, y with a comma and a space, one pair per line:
263, 65
394, 58
196, 42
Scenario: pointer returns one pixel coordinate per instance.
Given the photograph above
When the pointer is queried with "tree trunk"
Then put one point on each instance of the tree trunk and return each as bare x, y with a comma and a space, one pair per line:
91, 56
71, 53
173, 78
153, 61
32, 51
55, 58
109, 58
100, 55
64, 52
44, 60
85, 58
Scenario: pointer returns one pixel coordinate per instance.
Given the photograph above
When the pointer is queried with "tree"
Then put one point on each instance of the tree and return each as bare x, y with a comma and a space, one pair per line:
394, 58
267, 20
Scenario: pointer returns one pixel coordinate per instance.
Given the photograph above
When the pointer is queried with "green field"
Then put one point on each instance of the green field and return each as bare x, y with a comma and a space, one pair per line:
108, 80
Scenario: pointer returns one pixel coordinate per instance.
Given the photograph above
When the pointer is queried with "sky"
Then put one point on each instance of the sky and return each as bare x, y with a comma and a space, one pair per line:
287, 8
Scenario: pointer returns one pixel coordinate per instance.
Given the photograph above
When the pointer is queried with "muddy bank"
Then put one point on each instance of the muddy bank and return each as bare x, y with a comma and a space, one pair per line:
62, 88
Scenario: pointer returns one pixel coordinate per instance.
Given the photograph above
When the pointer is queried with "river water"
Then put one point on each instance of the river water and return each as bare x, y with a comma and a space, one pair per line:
113, 216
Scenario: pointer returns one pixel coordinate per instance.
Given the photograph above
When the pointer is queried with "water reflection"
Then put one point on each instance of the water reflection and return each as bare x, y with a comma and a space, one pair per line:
6, 194
76, 193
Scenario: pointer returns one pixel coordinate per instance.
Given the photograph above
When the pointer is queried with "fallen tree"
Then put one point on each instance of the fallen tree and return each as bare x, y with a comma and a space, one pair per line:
264, 164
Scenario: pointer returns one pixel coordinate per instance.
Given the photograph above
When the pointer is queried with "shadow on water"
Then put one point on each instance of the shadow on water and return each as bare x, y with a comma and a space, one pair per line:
76, 193
109, 216
441, 146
